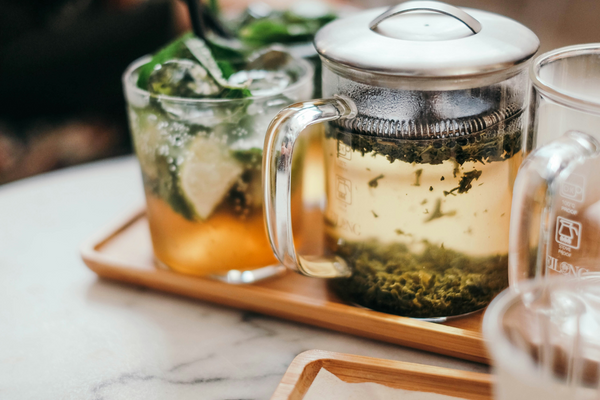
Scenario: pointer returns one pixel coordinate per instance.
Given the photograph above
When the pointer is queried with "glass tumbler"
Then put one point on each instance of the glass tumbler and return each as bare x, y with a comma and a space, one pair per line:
544, 340
201, 167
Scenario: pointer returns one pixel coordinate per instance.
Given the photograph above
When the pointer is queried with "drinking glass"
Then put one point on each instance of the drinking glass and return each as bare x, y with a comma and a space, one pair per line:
544, 340
201, 166
555, 216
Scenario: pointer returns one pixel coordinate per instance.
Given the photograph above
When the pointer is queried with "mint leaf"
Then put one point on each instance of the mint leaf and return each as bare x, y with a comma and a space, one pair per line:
265, 31
248, 156
225, 50
226, 68
173, 50
201, 51
236, 93
286, 27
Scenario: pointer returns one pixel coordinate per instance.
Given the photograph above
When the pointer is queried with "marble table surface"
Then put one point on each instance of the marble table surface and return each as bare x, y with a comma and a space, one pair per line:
66, 334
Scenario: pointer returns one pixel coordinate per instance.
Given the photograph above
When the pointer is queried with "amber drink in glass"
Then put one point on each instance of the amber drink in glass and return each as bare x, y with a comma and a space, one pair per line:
201, 166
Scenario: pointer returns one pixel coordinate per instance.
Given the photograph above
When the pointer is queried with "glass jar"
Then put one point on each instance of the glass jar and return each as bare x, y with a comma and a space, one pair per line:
426, 116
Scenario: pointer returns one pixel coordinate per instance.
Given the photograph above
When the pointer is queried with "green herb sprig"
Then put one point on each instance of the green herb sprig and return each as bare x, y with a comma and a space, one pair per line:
218, 59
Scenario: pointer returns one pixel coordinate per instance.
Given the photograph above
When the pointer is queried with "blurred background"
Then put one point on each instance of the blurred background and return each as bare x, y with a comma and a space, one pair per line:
61, 62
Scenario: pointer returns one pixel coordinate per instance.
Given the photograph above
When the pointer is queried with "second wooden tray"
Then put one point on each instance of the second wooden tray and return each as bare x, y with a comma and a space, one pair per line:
395, 374
124, 252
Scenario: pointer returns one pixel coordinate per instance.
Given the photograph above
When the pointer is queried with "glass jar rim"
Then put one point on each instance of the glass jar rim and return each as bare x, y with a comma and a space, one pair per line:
135, 65
551, 91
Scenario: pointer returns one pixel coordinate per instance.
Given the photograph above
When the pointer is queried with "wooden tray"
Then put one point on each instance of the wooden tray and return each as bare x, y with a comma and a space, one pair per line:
124, 252
397, 374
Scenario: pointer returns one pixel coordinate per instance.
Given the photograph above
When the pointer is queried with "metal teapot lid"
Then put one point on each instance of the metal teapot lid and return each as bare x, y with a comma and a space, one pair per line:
427, 39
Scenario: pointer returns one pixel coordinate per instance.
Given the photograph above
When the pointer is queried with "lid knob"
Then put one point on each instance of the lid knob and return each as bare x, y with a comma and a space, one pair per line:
427, 27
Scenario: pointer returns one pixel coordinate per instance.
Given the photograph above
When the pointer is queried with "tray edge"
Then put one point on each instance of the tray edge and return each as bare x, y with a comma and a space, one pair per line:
304, 368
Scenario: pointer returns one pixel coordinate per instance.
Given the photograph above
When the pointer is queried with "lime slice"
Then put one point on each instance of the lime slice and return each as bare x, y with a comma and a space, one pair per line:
207, 175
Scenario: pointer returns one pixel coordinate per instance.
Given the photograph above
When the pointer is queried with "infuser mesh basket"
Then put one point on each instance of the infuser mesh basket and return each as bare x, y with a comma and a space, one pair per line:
411, 129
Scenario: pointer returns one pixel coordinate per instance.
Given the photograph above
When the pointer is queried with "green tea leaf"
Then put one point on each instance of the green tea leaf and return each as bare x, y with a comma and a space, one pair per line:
489, 147
373, 183
434, 282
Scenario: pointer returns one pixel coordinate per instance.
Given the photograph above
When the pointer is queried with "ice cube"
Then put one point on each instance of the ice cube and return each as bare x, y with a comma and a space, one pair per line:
182, 78
271, 58
262, 82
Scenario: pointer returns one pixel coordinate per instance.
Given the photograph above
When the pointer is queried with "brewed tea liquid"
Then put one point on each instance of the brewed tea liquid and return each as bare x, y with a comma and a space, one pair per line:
371, 198
422, 239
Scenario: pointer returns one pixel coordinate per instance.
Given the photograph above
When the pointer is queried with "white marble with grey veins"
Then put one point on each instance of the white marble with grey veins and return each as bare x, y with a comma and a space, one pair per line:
65, 334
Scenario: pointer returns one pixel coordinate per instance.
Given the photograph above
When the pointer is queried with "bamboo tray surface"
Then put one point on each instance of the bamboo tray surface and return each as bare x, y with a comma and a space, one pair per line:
123, 252
396, 374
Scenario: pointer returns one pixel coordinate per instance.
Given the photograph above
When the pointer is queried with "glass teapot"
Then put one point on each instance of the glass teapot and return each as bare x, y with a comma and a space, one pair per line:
425, 105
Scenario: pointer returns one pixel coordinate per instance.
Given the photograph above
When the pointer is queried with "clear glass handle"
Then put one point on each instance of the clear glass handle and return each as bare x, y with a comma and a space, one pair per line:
540, 176
277, 167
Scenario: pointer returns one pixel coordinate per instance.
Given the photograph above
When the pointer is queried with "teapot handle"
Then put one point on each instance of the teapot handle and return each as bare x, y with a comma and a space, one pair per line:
539, 180
436, 6
277, 166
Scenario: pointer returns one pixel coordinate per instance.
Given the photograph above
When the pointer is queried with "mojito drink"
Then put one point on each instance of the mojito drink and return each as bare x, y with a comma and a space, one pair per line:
198, 127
